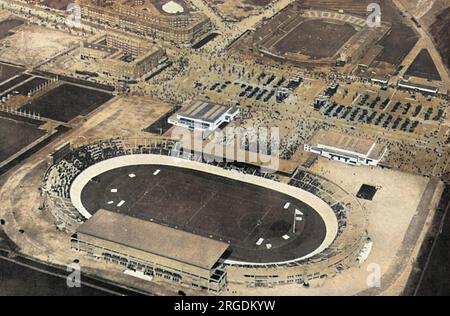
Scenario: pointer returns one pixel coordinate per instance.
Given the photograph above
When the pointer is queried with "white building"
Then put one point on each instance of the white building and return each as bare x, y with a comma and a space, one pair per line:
379, 80
417, 87
347, 149
203, 116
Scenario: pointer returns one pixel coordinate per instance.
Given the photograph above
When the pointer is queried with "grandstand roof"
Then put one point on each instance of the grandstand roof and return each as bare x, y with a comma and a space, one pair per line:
360, 146
205, 111
154, 238
418, 86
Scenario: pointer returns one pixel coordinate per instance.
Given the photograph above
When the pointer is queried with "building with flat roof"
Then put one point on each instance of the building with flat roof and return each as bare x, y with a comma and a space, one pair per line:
144, 18
153, 251
120, 56
349, 149
203, 116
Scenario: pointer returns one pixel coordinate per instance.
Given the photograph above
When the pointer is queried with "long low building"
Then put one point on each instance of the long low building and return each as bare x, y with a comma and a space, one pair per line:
418, 87
204, 116
344, 148
153, 251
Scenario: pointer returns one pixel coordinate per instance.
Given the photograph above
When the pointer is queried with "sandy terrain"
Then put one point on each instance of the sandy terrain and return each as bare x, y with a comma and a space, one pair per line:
33, 45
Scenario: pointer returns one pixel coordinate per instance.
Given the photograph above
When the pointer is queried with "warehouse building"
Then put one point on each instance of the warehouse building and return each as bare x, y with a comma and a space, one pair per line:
344, 148
204, 116
152, 251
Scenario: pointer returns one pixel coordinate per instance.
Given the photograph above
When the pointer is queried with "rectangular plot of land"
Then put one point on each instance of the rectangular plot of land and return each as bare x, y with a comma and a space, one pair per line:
31, 85
316, 39
66, 102
7, 25
13, 82
15, 135
397, 44
7, 71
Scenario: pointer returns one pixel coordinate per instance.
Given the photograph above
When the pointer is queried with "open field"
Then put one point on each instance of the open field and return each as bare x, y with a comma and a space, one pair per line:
433, 8
7, 72
28, 86
401, 32
66, 102
7, 25
316, 39
13, 82
32, 45
440, 31
16, 135
424, 67
16, 281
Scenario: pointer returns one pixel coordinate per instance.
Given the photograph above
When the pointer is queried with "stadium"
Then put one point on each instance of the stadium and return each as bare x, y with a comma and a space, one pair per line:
293, 34
261, 232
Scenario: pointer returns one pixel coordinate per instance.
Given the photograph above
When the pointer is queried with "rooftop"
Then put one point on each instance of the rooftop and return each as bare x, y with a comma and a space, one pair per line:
417, 85
154, 238
205, 111
348, 143
100, 47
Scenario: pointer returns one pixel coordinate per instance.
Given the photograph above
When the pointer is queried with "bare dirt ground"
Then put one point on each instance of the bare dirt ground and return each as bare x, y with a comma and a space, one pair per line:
428, 16
390, 213
440, 31
237, 9
421, 8
401, 32
7, 25
33, 44
136, 113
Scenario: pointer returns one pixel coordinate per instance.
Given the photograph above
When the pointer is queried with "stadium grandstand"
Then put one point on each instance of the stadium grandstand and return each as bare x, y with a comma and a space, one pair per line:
348, 149
344, 247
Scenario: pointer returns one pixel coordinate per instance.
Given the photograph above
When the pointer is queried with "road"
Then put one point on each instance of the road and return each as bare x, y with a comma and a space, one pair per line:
229, 34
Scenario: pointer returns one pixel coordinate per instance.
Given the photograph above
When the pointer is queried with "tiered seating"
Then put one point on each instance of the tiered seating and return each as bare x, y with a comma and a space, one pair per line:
326, 191
59, 177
